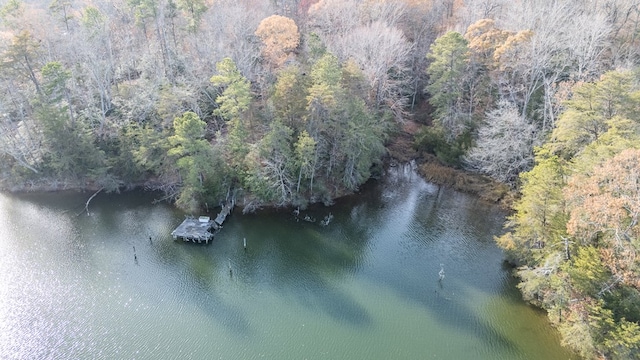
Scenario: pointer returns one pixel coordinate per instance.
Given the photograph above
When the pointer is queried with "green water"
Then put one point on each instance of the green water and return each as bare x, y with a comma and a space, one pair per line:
364, 287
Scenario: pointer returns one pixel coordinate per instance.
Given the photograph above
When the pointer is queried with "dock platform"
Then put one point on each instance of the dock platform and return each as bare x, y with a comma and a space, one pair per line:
196, 230
200, 229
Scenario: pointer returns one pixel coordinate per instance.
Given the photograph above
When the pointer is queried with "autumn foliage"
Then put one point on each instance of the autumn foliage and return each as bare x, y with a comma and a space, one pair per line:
279, 36
605, 210
575, 231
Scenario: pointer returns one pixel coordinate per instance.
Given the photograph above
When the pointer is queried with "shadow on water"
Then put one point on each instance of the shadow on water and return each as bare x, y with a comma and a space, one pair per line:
321, 296
445, 308
304, 259
199, 276
431, 236
299, 259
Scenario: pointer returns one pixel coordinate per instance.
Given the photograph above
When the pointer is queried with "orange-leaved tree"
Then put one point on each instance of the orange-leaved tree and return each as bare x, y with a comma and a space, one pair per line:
279, 36
606, 210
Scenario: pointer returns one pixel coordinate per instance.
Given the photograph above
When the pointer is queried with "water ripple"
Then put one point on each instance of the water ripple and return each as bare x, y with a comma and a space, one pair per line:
114, 285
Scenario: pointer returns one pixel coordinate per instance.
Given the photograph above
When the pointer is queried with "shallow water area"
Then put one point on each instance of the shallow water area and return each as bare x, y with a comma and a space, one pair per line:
113, 284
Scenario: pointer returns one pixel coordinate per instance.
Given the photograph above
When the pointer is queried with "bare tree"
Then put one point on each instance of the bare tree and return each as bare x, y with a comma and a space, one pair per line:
382, 53
588, 42
623, 16
334, 17
366, 33
504, 147
567, 40
18, 136
228, 31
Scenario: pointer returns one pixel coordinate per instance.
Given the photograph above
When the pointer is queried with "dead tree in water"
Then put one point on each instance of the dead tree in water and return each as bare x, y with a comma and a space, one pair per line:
86, 205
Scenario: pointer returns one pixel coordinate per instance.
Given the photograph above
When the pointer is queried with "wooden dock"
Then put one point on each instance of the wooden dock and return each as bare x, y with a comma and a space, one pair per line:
200, 229
226, 210
196, 230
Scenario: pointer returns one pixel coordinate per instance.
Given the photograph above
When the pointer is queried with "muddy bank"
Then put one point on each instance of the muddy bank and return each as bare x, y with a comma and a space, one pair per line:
401, 150
47, 186
487, 189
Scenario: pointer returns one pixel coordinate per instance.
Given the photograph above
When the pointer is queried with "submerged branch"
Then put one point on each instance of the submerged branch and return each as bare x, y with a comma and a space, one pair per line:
86, 205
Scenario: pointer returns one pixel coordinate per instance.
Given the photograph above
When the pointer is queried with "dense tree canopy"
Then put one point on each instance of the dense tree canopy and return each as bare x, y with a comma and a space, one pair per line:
193, 98
575, 230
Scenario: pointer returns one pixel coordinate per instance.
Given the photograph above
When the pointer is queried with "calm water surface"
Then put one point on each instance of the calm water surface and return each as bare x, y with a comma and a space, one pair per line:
364, 287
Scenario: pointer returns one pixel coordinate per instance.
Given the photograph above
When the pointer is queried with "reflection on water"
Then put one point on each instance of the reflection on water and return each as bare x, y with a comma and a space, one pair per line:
113, 284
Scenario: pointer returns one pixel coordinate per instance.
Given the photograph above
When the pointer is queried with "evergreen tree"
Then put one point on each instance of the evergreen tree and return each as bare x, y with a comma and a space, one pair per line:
289, 97
449, 57
195, 162
272, 170
71, 150
305, 158
233, 102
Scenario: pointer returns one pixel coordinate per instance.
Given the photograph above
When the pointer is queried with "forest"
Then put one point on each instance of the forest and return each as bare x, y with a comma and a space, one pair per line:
292, 102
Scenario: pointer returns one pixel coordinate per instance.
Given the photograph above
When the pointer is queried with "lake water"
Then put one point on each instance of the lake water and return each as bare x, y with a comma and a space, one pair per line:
364, 287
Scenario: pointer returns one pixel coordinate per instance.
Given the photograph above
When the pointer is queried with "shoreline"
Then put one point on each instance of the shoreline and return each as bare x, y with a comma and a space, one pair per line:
400, 151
